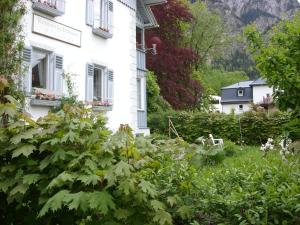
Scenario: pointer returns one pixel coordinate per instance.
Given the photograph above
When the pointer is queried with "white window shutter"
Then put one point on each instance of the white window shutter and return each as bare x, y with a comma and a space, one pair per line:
58, 73
110, 16
89, 12
26, 70
89, 83
110, 86
96, 14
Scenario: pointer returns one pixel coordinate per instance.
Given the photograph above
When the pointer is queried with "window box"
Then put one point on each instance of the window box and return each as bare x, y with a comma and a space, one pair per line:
48, 103
102, 108
52, 8
102, 33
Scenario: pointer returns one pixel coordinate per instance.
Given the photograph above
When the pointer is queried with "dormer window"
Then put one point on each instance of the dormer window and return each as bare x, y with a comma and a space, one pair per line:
50, 7
240, 92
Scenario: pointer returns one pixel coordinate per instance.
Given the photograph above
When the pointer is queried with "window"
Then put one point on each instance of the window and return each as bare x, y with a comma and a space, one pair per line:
99, 15
241, 107
139, 38
240, 92
140, 82
139, 93
40, 69
98, 83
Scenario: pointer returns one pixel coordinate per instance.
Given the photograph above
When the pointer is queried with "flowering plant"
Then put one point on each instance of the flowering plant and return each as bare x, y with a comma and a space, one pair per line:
45, 95
284, 144
99, 103
268, 146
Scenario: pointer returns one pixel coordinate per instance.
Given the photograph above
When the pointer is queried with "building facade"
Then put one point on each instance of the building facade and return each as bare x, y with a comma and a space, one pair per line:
98, 45
239, 97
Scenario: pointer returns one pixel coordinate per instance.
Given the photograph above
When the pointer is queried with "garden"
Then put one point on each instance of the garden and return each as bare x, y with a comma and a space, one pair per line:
69, 168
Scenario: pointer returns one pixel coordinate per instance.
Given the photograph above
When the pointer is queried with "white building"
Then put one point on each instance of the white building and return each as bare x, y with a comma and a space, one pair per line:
100, 43
238, 97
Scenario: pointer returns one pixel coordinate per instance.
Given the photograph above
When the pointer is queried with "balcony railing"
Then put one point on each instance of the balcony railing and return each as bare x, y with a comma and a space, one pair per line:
50, 7
142, 119
141, 59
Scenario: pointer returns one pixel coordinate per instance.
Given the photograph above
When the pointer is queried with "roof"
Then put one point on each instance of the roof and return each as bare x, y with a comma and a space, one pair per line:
144, 8
259, 81
241, 84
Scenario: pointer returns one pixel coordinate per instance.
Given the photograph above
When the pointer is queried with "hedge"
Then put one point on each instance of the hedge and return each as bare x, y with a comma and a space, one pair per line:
255, 127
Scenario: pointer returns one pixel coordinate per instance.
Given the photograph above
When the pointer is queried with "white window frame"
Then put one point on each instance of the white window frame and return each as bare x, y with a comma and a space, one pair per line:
103, 71
104, 15
241, 108
240, 92
49, 76
141, 93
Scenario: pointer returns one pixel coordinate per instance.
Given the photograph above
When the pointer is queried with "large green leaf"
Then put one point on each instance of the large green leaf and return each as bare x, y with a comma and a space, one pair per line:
162, 217
101, 201
25, 150
28, 134
54, 203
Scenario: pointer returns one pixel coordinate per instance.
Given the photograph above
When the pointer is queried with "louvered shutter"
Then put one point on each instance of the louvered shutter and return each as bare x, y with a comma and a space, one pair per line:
110, 86
89, 86
26, 70
89, 12
110, 16
96, 14
58, 73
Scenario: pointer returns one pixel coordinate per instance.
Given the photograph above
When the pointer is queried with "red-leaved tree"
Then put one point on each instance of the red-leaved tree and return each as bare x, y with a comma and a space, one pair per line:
173, 64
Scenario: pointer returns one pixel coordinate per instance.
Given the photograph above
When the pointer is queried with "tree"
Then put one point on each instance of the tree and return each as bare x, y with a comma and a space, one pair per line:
214, 79
174, 63
207, 36
155, 102
278, 59
11, 45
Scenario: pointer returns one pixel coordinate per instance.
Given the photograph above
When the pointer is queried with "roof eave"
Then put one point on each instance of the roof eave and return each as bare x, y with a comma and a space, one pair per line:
154, 2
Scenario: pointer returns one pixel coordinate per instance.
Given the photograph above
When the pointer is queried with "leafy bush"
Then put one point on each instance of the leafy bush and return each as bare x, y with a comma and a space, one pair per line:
66, 169
256, 127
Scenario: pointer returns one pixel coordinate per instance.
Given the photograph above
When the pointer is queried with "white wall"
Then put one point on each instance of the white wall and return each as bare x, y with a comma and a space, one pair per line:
259, 92
228, 108
118, 53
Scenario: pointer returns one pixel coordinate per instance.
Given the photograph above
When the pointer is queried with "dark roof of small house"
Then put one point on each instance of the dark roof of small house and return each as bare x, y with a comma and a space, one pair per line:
241, 84
259, 81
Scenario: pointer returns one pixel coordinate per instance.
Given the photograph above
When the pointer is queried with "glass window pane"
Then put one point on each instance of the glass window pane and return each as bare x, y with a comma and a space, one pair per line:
139, 94
97, 84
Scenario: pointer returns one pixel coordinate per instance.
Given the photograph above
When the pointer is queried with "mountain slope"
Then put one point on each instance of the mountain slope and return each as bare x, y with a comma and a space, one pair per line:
264, 13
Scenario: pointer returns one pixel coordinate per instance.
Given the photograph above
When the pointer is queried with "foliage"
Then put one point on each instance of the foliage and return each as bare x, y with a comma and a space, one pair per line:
250, 189
214, 79
174, 63
65, 169
278, 60
155, 102
10, 47
207, 33
256, 127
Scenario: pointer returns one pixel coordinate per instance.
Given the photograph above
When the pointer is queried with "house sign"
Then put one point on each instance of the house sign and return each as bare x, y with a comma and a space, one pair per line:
55, 30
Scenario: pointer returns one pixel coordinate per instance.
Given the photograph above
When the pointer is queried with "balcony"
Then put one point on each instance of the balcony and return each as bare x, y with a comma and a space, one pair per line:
141, 59
50, 7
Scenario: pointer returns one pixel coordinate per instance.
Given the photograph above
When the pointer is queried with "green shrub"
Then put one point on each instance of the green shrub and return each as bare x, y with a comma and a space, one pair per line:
255, 127
230, 148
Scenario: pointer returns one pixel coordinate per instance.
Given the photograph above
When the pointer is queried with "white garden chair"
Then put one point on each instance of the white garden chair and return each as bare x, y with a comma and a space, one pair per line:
216, 142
